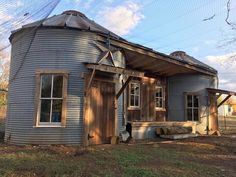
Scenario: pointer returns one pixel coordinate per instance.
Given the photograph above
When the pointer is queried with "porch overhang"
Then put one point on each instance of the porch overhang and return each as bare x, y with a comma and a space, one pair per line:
161, 65
218, 93
114, 70
150, 61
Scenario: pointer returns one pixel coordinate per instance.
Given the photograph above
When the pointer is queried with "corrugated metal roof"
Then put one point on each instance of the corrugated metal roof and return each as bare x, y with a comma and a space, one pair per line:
73, 19
189, 59
77, 20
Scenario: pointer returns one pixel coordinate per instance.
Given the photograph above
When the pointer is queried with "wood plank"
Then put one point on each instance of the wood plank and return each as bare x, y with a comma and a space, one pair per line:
166, 69
103, 56
223, 101
213, 113
124, 87
143, 66
86, 115
213, 90
154, 54
36, 99
116, 129
117, 70
152, 101
112, 58
158, 64
144, 91
64, 103
99, 118
90, 80
52, 71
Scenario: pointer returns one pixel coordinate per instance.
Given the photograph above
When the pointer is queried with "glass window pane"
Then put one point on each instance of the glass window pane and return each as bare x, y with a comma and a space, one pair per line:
189, 101
132, 89
45, 110
195, 101
56, 110
189, 114
195, 114
57, 86
136, 89
131, 100
158, 92
136, 101
159, 103
46, 86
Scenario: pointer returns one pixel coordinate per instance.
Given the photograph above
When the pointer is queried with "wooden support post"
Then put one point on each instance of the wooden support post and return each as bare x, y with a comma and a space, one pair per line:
86, 115
213, 112
90, 81
112, 58
223, 101
116, 129
103, 56
115, 70
123, 87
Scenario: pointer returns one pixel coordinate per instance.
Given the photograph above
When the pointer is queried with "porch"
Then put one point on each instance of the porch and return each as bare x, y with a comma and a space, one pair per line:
142, 84
147, 130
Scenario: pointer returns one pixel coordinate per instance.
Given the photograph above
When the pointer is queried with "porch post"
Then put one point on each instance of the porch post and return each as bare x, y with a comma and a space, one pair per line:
213, 112
116, 129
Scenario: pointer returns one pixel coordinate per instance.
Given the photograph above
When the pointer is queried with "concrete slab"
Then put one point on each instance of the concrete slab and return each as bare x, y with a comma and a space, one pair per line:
179, 136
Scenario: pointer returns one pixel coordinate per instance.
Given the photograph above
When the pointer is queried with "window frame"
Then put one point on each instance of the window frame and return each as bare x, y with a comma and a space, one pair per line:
192, 108
139, 96
38, 98
163, 97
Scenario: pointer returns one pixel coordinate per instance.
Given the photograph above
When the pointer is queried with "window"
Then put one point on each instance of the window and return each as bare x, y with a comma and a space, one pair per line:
192, 107
159, 97
134, 95
51, 98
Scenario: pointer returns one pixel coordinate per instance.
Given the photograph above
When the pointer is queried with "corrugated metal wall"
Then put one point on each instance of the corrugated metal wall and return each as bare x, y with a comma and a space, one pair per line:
177, 85
50, 49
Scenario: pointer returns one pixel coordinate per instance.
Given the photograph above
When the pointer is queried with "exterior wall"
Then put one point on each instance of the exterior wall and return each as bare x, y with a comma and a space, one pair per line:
225, 110
177, 86
147, 110
50, 49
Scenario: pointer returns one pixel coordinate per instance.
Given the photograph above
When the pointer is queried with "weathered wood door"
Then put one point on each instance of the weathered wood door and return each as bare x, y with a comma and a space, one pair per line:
100, 112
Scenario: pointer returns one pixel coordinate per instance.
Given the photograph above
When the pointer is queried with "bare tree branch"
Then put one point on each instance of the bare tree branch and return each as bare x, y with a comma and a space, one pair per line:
210, 18
233, 25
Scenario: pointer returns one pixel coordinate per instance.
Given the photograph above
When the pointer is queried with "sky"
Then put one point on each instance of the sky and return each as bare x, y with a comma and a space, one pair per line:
197, 27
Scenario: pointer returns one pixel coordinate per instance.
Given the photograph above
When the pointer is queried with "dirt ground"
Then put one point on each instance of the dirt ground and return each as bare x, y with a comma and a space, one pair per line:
201, 156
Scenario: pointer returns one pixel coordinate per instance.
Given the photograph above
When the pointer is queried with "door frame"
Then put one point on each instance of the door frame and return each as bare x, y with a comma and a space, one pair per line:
86, 120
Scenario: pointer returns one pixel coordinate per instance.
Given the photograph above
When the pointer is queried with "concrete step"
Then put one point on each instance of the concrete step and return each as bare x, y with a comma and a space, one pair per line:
179, 136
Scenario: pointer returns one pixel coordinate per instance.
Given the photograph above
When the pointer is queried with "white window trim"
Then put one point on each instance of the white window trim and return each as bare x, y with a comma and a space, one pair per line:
51, 99
38, 99
163, 98
139, 100
192, 108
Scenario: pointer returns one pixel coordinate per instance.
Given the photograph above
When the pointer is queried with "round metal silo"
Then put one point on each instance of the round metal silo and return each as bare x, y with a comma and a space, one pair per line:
62, 42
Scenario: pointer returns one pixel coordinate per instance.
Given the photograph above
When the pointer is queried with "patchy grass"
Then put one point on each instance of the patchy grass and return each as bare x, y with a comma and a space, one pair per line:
203, 156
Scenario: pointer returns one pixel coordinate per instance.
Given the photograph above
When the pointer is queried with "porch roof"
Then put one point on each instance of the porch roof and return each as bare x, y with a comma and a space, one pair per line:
220, 92
145, 59
113, 69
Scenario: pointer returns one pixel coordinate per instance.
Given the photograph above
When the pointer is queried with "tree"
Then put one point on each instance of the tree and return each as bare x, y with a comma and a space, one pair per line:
4, 76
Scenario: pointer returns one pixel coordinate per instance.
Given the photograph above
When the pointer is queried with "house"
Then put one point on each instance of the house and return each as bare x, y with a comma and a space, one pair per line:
74, 82
228, 108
